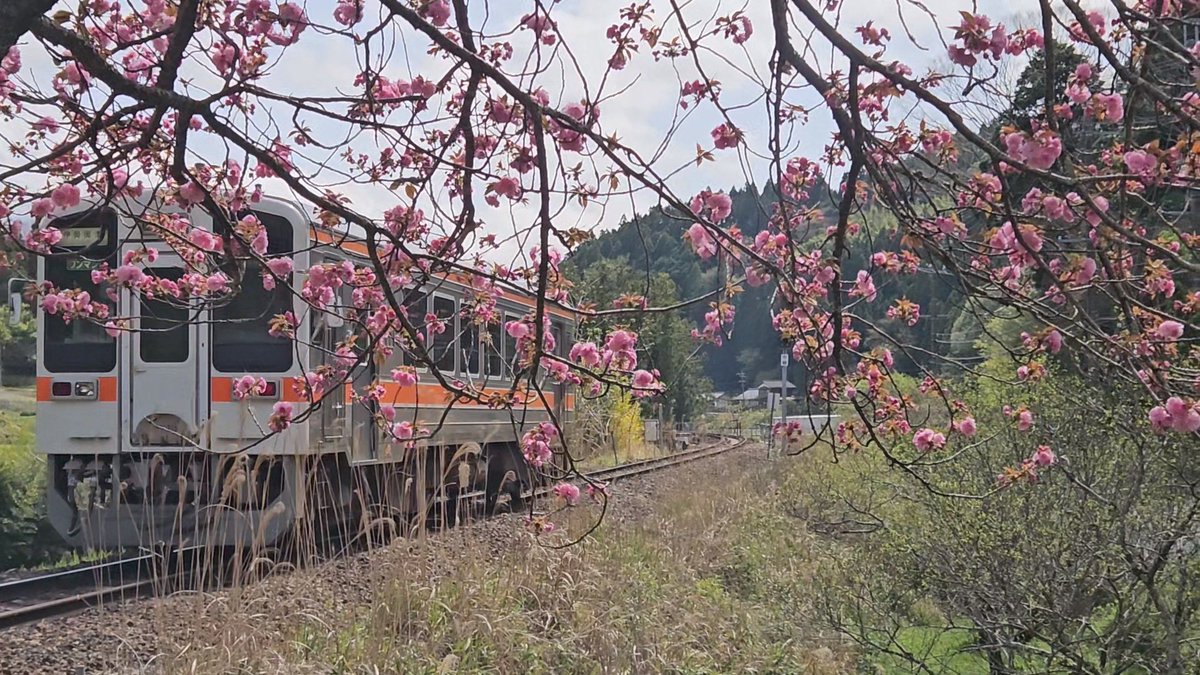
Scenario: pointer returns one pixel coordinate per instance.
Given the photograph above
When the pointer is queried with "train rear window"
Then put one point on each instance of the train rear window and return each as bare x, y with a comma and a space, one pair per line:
241, 327
163, 335
80, 346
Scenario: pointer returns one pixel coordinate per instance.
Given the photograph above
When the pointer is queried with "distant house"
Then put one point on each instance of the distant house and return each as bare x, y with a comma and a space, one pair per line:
760, 396
776, 387
719, 400
751, 398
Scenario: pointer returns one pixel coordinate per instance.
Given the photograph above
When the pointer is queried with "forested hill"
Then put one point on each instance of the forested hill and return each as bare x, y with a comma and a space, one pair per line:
655, 242
617, 261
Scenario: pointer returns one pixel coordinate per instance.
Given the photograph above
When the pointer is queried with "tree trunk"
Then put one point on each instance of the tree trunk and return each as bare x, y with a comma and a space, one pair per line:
16, 17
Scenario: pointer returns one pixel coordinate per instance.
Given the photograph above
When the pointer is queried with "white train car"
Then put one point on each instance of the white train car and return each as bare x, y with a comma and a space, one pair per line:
146, 441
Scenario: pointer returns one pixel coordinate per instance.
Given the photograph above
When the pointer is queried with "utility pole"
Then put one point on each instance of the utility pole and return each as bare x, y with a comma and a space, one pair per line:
783, 388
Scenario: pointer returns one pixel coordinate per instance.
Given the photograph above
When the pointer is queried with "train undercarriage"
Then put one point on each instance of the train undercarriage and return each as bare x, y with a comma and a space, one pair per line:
211, 499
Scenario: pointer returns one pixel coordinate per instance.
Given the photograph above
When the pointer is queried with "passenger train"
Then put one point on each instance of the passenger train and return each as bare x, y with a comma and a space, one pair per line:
147, 442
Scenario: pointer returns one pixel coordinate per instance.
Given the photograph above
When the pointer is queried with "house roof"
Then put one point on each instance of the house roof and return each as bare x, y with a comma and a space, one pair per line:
774, 384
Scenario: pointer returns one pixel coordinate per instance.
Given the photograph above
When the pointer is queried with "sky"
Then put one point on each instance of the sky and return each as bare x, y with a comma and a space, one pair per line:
642, 113
647, 91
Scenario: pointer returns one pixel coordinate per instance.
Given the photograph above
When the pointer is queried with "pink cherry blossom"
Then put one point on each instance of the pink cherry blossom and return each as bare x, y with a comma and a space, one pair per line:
726, 136
129, 274
1159, 417
1054, 341
585, 354
509, 187
65, 196
701, 241
1140, 162
438, 12
535, 444
280, 267
518, 329
46, 124
223, 56
1044, 456
927, 439
645, 380
405, 376
966, 426
1024, 420
348, 12
1177, 414
191, 193
1169, 330
542, 26
248, 385
1110, 107
720, 205
864, 286
281, 416
567, 492
402, 431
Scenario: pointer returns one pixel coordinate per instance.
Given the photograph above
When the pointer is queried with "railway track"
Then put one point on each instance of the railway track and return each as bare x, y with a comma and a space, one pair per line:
68, 592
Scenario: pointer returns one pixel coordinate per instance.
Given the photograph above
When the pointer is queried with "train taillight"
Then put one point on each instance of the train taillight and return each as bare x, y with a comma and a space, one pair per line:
64, 389
268, 390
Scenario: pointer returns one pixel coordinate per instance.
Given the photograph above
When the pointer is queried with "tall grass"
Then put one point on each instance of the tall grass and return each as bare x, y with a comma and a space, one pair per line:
700, 578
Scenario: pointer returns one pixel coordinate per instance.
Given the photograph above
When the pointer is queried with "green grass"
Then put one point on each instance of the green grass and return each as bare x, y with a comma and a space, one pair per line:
938, 649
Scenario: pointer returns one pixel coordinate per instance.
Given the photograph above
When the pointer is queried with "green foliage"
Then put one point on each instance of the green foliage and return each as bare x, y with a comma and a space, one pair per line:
1029, 99
1088, 569
627, 427
25, 538
664, 339
24, 332
651, 244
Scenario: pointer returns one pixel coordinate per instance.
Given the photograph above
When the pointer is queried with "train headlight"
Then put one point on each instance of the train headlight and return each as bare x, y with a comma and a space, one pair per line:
85, 389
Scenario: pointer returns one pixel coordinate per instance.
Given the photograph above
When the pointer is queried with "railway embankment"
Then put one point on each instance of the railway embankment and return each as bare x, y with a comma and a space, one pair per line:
696, 567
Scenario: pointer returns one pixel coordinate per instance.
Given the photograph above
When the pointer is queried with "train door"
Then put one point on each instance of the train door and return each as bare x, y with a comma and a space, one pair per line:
167, 385
331, 330
363, 439
560, 388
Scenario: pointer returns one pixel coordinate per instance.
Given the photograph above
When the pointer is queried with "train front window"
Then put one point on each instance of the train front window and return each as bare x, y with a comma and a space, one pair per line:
241, 336
163, 334
80, 346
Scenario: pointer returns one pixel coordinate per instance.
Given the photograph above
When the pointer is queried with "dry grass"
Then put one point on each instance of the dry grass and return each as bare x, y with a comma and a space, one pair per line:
683, 577
628, 452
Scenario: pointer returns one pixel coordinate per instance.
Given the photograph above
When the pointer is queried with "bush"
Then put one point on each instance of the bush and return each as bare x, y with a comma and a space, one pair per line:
1090, 568
25, 537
